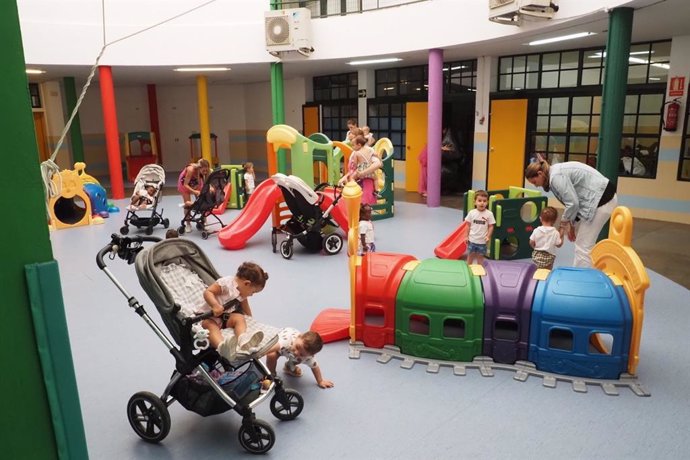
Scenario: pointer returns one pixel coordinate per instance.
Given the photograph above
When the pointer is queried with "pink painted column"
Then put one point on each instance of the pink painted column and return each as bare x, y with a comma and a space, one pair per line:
112, 135
434, 122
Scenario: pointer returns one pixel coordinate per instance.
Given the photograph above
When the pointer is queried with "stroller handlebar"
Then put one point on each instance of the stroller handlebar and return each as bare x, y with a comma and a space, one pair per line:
125, 247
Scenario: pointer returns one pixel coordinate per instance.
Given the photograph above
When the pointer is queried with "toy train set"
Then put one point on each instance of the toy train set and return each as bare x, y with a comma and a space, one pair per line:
579, 322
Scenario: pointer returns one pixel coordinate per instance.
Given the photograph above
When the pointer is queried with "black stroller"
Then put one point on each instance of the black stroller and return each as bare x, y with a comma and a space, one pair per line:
203, 381
212, 194
309, 224
145, 212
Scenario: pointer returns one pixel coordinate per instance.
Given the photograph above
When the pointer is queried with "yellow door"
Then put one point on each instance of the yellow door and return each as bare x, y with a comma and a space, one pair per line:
416, 122
507, 143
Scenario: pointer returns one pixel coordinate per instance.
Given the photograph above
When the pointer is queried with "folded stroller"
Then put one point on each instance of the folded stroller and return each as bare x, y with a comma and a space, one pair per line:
212, 194
145, 212
309, 224
174, 273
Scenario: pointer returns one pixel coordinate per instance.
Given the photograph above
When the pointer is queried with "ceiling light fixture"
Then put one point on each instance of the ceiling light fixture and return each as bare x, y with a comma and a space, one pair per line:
561, 38
374, 61
202, 69
35, 71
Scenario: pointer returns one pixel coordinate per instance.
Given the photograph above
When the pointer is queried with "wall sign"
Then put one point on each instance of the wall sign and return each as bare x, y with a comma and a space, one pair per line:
676, 87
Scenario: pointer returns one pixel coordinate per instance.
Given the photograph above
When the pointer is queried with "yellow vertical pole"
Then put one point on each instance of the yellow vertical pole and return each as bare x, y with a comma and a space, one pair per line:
204, 127
352, 194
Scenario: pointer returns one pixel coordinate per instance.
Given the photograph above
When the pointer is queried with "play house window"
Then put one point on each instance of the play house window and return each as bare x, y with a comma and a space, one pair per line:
600, 343
506, 330
374, 317
419, 324
454, 328
561, 339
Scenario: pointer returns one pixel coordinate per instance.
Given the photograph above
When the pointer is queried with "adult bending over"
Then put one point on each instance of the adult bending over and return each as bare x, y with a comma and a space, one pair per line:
588, 196
191, 180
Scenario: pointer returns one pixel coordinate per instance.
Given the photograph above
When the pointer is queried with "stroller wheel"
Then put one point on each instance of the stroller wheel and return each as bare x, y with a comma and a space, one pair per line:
124, 229
286, 249
287, 405
166, 223
148, 416
180, 229
257, 436
332, 244
204, 235
149, 230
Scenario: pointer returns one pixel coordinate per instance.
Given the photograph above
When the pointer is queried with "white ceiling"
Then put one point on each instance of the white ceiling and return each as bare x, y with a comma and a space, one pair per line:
653, 20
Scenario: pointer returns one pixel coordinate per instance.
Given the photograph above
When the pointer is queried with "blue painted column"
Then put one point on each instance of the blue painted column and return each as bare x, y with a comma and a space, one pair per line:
434, 122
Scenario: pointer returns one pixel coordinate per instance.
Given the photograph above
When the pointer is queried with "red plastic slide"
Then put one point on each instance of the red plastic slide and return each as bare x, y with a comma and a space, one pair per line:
455, 244
236, 234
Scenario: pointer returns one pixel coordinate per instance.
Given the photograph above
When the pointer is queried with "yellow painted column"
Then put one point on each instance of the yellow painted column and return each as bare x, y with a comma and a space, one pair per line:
204, 128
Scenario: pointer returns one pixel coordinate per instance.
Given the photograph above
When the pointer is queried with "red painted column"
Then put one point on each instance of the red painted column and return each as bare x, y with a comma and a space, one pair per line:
112, 135
153, 119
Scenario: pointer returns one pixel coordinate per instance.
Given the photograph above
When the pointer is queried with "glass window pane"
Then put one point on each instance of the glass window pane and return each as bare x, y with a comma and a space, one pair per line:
593, 144
582, 104
592, 58
543, 123
591, 76
568, 79
658, 73
549, 80
559, 105
397, 110
519, 63
540, 143
661, 52
544, 105
648, 124
651, 103
557, 144
558, 124
519, 81
533, 63
396, 138
373, 124
595, 123
579, 123
383, 125
505, 65
396, 123
596, 104
637, 74
631, 103
578, 144
550, 61
629, 123
532, 80
576, 157
570, 60
504, 82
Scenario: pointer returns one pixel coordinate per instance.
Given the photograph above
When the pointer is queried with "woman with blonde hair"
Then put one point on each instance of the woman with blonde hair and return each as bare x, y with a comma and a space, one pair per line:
190, 183
589, 198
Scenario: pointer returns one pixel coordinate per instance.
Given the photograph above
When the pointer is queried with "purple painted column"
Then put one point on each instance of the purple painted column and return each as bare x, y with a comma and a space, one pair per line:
435, 115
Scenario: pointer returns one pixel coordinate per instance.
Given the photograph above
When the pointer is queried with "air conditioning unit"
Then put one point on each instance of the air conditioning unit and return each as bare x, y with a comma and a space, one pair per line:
513, 11
288, 30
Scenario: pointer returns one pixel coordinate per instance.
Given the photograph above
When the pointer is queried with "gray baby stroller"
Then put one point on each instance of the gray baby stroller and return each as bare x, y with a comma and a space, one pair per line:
143, 210
174, 273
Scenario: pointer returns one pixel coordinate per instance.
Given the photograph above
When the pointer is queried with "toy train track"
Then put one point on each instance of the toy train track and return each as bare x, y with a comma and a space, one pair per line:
486, 367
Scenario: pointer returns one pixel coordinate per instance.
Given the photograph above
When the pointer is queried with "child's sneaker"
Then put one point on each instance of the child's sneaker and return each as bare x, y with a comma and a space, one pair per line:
228, 349
248, 343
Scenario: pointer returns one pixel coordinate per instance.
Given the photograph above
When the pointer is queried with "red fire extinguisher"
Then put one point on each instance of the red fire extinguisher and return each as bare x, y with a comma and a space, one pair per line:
670, 120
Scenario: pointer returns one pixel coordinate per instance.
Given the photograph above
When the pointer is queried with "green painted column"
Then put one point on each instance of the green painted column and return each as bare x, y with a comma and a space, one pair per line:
75, 128
35, 398
614, 91
278, 105
278, 98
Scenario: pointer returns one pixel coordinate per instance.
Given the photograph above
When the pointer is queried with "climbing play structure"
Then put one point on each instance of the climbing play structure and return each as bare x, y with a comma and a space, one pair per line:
140, 150
577, 324
315, 160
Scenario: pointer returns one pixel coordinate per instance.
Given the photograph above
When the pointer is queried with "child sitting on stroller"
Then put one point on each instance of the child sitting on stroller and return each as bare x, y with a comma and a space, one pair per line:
144, 197
298, 349
227, 298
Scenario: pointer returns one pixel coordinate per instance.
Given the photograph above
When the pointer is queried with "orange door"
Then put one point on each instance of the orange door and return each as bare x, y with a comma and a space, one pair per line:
41, 136
416, 123
507, 133
310, 120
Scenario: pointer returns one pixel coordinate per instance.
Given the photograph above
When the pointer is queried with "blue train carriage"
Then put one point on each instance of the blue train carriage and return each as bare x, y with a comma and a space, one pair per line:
581, 324
440, 311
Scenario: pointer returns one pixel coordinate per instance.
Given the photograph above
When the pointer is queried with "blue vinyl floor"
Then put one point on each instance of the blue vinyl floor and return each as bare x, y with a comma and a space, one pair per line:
375, 411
